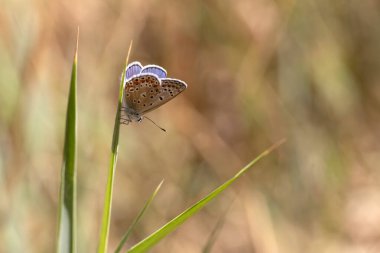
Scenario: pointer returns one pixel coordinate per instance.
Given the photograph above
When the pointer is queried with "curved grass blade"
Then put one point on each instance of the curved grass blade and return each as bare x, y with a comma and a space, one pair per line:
67, 221
137, 219
172, 225
104, 231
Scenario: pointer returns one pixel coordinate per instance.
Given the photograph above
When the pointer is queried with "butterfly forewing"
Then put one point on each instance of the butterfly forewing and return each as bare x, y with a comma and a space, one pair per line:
154, 69
133, 69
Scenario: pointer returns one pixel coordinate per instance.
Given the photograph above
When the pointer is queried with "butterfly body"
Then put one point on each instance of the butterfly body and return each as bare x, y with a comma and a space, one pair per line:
147, 88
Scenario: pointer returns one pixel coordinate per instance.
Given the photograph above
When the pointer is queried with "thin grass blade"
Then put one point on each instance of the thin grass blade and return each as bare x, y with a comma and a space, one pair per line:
137, 219
215, 232
67, 221
106, 218
172, 225
213, 236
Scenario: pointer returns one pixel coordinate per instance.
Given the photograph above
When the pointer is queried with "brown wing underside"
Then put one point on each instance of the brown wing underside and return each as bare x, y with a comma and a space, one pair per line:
141, 91
144, 93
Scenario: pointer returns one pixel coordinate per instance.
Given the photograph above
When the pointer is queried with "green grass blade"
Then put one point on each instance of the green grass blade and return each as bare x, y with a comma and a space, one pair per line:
169, 227
106, 218
137, 219
67, 197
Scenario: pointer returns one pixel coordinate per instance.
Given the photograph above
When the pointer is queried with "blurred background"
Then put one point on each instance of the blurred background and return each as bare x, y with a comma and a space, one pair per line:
257, 71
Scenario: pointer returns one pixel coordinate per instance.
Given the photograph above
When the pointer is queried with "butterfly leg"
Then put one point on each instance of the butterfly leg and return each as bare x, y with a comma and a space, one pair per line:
125, 121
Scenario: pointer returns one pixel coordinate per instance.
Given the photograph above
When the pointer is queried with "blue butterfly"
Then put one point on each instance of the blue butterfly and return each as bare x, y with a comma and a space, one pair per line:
147, 88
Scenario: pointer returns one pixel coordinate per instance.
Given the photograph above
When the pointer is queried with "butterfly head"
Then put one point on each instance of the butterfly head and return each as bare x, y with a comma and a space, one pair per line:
131, 115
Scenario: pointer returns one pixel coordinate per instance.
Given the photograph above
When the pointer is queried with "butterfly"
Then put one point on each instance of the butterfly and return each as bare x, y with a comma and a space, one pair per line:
147, 88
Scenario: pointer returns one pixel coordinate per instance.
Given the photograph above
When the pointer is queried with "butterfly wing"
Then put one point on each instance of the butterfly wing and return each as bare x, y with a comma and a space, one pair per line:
169, 89
154, 69
140, 92
133, 69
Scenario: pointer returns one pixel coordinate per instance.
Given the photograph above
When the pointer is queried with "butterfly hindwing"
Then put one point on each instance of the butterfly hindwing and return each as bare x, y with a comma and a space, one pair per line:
168, 90
140, 92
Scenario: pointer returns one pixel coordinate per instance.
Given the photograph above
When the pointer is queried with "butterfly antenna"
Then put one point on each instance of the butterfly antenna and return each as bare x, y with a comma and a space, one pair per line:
163, 129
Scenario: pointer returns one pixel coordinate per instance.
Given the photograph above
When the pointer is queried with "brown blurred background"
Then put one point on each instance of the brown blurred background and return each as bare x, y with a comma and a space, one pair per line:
257, 71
